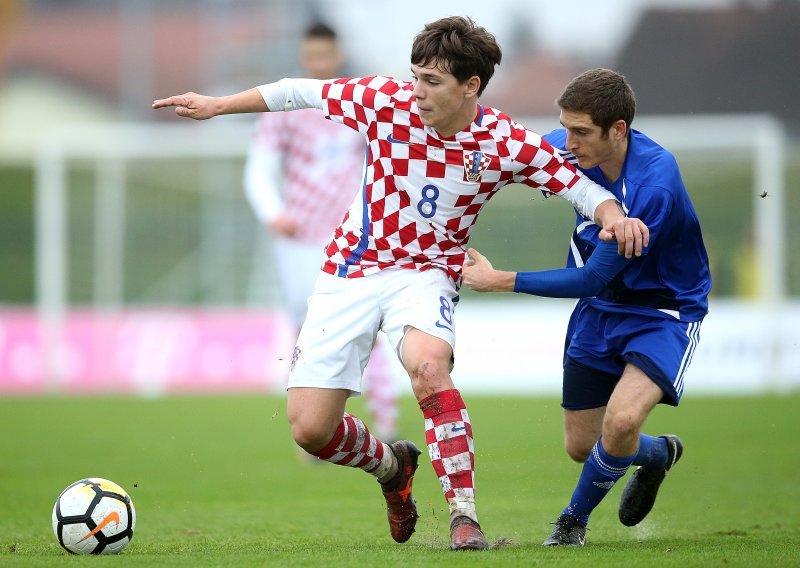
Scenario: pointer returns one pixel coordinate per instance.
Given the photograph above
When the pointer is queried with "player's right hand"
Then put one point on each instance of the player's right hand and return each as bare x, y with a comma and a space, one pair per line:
190, 105
479, 274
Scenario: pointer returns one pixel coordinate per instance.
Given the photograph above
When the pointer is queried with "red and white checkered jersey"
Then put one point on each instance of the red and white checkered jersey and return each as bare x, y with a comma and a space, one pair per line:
321, 165
423, 192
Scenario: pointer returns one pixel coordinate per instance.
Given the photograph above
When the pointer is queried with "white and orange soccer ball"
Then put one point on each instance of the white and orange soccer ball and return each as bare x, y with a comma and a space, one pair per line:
94, 516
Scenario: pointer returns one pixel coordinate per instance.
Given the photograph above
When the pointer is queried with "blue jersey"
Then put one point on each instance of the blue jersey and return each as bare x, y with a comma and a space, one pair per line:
671, 278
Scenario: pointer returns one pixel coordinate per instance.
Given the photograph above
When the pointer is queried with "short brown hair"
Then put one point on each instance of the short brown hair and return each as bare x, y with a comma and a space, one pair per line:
320, 30
603, 94
458, 46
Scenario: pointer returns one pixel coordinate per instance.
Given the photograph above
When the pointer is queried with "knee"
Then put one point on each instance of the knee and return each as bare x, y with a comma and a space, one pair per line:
428, 377
621, 425
576, 451
310, 434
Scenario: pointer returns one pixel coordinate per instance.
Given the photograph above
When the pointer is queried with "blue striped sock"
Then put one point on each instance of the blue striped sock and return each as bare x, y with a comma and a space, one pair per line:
652, 452
600, 472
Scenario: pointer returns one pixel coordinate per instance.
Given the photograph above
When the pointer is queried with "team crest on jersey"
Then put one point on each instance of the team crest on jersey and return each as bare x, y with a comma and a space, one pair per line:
475, 162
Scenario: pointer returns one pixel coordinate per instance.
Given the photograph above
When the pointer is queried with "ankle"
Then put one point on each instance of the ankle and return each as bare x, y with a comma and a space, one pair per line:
391, 478
466, 510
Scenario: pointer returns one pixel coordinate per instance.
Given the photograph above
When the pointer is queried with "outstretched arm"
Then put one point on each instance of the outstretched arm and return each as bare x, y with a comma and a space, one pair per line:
286, 94
479, 274
604, 264
202, 107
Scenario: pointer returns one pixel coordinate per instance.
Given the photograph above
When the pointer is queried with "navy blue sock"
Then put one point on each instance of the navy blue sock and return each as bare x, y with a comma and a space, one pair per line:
652, 452
600, 472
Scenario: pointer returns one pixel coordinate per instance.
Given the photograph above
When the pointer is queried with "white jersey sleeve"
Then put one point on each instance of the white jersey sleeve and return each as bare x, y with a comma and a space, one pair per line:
261, 178
540, 165
293, 94
586, 195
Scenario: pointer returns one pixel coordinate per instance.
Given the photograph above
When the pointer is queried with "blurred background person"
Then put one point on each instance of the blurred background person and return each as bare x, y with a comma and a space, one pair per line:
297, 165
10, 13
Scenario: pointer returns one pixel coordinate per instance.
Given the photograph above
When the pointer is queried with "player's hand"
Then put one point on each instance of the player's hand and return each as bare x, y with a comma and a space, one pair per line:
284, 226
631, 234
479, 274
190, 105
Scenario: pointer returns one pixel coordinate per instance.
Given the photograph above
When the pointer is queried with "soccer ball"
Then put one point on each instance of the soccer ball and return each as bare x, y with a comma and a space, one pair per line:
94, 516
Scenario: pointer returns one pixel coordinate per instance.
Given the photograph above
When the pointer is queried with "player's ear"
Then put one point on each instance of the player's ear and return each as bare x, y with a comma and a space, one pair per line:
619, 130
472, 86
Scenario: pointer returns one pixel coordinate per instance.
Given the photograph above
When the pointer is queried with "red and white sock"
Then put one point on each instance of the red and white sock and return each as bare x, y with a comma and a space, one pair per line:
352, 445
381, 394
448, 433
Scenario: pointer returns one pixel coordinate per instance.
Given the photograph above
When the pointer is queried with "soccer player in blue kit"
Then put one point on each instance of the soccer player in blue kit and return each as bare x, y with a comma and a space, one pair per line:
632, 335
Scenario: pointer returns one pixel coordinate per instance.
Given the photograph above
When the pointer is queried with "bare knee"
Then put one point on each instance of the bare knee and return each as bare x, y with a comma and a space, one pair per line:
578, 447
429, 377
632, 400
314, 415
311, 435
427, 361
621, 425
581, 430
312, 427
577, 452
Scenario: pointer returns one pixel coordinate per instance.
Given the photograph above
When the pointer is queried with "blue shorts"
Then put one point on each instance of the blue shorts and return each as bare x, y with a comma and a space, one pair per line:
600, 344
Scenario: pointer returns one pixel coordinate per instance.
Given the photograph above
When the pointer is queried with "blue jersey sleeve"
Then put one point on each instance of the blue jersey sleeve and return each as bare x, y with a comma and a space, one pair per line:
604, 264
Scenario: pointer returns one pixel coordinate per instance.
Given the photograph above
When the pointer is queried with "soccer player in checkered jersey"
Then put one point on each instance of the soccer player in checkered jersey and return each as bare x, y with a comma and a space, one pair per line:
312, 159
435, 157
650, 307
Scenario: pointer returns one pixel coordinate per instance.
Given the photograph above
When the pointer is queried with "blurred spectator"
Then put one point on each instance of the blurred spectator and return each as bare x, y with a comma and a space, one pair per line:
301, 176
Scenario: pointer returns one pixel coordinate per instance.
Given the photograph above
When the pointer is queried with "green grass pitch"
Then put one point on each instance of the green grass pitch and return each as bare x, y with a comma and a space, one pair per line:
216, 481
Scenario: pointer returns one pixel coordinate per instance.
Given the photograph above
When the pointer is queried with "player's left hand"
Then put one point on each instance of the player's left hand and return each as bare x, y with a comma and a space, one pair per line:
631, 234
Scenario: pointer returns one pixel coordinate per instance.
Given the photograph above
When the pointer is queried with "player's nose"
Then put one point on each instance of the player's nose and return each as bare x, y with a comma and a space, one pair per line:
570, 144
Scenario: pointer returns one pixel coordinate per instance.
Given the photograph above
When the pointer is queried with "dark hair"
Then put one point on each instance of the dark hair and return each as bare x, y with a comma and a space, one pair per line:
319, 30
603, 94
458, 46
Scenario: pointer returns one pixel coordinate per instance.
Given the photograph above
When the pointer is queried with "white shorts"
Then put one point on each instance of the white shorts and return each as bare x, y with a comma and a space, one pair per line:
345, 315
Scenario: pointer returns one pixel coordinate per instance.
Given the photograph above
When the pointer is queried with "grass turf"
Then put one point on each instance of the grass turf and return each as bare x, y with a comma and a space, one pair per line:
216, 481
